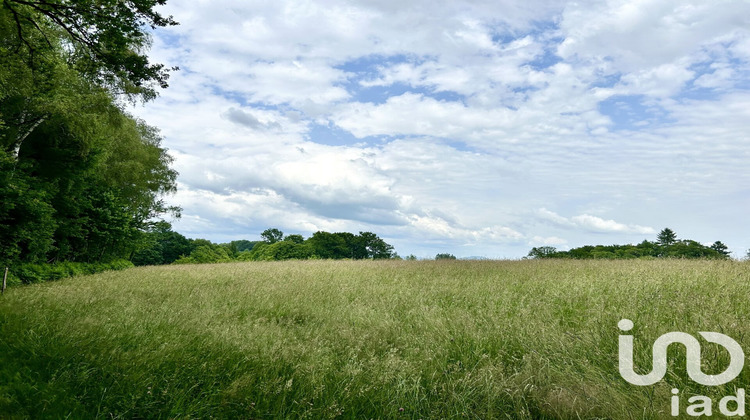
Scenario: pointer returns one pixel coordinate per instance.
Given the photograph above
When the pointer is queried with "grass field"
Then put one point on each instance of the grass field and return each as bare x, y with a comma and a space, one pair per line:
354, 339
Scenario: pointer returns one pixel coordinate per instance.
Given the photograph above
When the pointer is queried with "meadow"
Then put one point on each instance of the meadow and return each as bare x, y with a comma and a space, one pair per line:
534, 339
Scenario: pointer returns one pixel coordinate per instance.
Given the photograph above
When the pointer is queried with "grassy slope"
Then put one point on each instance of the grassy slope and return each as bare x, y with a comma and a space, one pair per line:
321, 339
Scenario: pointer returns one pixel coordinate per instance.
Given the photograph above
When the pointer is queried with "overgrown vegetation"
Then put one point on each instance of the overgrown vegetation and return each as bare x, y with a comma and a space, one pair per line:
363, 339
35, 273
666, 246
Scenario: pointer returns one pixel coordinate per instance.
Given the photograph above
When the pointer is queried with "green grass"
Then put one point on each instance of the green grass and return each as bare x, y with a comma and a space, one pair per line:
355, 339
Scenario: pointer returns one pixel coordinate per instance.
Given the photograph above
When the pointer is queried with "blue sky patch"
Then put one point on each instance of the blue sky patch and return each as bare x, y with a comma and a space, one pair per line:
331, 135
632, 112
545, 61
370, 68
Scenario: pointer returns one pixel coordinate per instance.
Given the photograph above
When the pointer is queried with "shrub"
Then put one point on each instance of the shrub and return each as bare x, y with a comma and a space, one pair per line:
445, 257
206, 254
245, 256
35, 273
184, 260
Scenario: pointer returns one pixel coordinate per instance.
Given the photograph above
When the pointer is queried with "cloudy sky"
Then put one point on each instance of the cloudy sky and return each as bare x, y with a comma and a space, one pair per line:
479, 128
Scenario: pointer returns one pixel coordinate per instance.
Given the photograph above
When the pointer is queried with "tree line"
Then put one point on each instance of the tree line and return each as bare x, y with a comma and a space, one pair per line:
165, 246
81, 180
667, 245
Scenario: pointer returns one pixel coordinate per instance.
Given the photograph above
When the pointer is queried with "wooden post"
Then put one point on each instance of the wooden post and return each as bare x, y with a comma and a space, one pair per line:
5, 278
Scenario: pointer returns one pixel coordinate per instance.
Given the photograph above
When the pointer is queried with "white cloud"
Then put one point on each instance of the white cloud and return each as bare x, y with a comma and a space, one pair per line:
437, 228
448, 124
593, 223
602, 225
552, 240
721, 77
554, 217
647, 33
661, 81
411, 114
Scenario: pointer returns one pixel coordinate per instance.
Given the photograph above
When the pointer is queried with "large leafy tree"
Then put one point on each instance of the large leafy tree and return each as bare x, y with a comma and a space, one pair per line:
330, 245
105, 40
375, 247
81, 179
272, 235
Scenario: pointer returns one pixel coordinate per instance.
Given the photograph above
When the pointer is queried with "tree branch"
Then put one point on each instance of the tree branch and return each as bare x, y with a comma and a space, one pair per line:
23, 137
19, 30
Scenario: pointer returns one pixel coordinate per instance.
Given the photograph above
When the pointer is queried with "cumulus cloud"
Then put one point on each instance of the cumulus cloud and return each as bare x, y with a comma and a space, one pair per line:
593, 223
647, 33
602, 225
461, 126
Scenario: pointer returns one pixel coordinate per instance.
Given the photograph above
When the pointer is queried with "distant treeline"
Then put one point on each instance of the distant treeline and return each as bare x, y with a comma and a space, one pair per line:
666, 246
164, 246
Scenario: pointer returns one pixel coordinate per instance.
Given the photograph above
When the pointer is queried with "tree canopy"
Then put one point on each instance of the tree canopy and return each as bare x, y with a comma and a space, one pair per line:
272, 235
80, 179
666, 237
104, 40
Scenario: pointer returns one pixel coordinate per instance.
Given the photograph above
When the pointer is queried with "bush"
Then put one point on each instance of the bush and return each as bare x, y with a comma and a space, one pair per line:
206, 254
36, 273
245, 256
445, 257
117, 265
13, 280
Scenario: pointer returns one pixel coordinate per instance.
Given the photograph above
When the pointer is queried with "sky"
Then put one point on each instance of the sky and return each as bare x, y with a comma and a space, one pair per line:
476, 128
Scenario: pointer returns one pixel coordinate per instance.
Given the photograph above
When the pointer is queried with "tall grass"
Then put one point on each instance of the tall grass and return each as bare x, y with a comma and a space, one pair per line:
356, 339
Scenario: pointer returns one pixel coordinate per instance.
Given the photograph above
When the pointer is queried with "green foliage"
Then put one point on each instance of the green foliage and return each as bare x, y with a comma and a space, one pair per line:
161, 245
106, 40
243, 245
200, 242
687, 248
719, 247
666, 237
375, 247
206, 254
338, 245
245, 256
543, 252
322, 245
272, 235
27, 223
667, 246
445, 256
297, 239
36, 273
79, 178
284, 250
